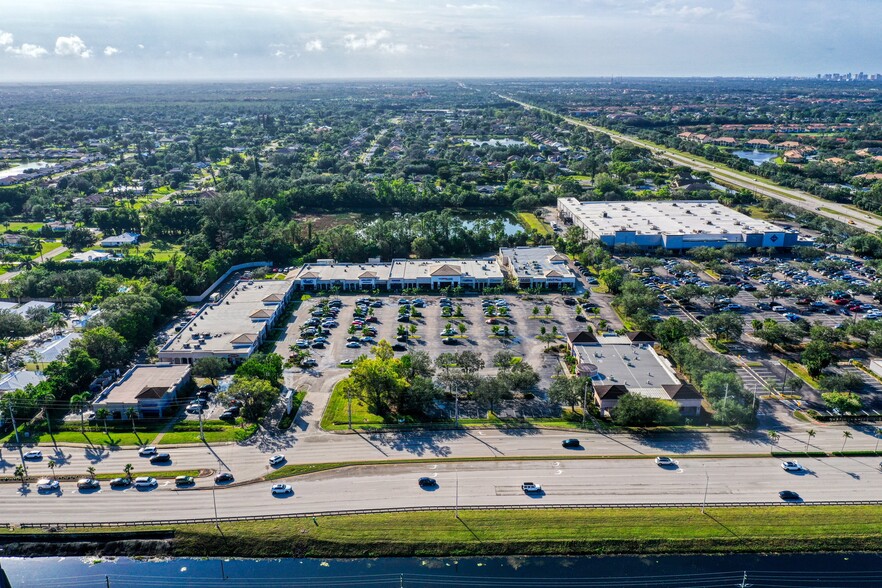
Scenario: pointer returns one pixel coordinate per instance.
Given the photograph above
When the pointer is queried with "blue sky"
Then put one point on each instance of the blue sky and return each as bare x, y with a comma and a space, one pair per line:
60, 40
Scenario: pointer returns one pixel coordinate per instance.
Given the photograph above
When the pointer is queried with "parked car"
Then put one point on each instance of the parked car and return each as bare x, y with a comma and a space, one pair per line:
399, 347
426, 482
353, 345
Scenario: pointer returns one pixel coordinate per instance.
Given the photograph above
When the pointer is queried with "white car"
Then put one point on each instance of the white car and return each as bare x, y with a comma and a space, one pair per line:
791, 466
276, 459
147, 451
530, 487
663, 461
145, 482
47, 485
282, 489
34, 454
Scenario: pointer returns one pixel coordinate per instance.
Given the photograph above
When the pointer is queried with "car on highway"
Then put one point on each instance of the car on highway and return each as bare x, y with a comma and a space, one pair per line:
34, 454
88, 484
570, 443
120, 483
47, 485
791, 466
662, 460
161, 458
146, 482
426, 482
282, 489
147, 451
788, 495
276, 459
223, 477
185, 481
530, 487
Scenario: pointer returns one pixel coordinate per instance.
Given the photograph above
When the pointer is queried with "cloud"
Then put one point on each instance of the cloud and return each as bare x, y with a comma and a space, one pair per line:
279, 53
393, 48
140, 46
110, 51
27, 50
5, 39
368, 41
72, 46
314, 45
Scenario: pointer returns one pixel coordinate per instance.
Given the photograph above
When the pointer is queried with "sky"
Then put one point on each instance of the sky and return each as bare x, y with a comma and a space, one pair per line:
174, 40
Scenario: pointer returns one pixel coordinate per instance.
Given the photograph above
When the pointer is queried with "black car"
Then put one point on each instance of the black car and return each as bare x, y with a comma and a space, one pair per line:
570, 301
223, 477
160, 458
426, 482
399, 347
227, 416
788, 495
570, 443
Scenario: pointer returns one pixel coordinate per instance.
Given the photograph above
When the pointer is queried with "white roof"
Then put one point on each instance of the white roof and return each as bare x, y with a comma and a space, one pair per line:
663, 217
537, 262
19, 379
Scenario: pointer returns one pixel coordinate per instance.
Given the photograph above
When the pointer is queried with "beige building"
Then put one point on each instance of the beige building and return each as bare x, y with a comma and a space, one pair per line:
541, 267
233, 327
152, 390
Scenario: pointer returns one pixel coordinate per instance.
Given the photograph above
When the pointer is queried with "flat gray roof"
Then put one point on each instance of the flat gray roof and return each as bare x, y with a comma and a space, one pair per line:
636, 366
662, 217
153, 380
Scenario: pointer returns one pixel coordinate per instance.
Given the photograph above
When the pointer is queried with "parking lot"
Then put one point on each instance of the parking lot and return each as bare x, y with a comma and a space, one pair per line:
424, 327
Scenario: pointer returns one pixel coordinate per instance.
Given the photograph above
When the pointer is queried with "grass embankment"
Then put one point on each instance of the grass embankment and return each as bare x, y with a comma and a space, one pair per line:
215, 432
181, 432
91, 436
545, 532
801, 373
532, 223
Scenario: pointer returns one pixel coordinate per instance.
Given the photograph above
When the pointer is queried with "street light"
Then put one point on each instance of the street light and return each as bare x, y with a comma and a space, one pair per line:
706, 484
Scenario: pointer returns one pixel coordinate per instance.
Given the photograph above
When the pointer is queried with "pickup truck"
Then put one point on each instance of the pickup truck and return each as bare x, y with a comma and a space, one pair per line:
530, 487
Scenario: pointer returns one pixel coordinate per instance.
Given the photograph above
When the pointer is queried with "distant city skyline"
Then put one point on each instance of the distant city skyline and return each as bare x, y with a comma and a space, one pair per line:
168, 40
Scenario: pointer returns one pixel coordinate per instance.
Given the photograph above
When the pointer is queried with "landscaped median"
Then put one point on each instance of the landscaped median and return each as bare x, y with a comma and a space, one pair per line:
528, 532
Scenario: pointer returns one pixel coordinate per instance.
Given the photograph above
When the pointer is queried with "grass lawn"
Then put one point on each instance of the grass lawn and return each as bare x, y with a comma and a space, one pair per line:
801, 372
63, 256
532, 223
20, 227
46, 247
541, 532
336, 415
93, 437
215, 432
161, 251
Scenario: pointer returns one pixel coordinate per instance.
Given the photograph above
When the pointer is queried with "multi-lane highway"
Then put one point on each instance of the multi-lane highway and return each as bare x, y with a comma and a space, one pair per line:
614, 481
836, 211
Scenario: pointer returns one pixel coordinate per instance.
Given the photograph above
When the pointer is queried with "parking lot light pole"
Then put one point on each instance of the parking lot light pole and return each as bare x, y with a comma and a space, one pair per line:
17, 440
706, 484
584, 402
201, 431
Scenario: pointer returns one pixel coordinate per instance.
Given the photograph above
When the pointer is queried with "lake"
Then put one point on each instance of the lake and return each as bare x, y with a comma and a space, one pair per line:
791, 570
757, 157
18, 169
494, 142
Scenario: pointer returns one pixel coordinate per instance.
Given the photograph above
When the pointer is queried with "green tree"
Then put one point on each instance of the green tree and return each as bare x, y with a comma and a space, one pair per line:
78, 403
673, 330
816, 356
131, 414
634, 410
211, 368
724, 325
56, 322
256, 394
127, 470
103, 414
105, 345
844, 402
490, 391
264, 366
569, 391
612, 278
846, 435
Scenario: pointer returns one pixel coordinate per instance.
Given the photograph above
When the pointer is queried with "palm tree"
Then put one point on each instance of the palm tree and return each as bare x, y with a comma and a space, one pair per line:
811, 433
128, 470
56, 321
78, 402
773, 437
103, 414
51, 466
20, 474
91, 471
45, 400
846, 435
131, 413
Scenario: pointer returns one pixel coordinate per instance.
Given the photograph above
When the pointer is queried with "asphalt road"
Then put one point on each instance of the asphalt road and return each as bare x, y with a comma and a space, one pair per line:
475, 484
839, 212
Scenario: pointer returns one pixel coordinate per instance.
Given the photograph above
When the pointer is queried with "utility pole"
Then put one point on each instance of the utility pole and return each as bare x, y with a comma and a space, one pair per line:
214, 498
17, 440
725, 398
456, 497
585, 402
201, 431
456, 406
706, 484
349, 399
